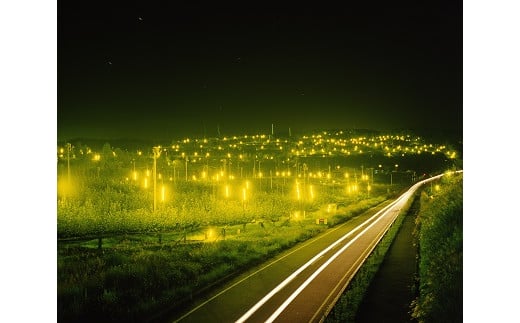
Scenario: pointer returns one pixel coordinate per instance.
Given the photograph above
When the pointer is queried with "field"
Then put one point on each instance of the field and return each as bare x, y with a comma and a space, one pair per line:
140, 232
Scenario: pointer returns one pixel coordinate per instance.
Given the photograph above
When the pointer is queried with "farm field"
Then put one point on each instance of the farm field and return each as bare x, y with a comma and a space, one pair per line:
148, 229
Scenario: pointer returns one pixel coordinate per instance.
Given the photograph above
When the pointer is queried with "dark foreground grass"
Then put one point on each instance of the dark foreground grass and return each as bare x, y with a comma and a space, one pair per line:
132, 278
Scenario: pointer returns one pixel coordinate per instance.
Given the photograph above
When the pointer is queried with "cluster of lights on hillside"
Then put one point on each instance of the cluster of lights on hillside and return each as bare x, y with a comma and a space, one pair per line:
261, 156
233, 164
324, 144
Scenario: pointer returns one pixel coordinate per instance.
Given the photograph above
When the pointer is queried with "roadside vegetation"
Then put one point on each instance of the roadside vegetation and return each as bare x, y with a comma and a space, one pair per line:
439, 230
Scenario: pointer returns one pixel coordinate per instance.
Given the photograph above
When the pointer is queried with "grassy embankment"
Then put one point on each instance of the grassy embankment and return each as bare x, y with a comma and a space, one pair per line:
440, 263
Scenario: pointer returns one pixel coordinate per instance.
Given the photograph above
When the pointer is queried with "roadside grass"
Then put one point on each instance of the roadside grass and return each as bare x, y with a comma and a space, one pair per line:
439, 232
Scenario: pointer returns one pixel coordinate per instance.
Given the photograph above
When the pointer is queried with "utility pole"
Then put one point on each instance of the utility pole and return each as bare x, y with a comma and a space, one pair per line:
156, 154
271, 175
68, 161
186, 167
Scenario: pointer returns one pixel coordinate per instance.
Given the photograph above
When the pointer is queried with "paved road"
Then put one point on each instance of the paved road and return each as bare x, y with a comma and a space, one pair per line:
302, 284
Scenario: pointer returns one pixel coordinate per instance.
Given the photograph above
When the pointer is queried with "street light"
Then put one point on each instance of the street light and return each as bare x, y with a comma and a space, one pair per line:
156, 154
163, 193
68, 161
227, 191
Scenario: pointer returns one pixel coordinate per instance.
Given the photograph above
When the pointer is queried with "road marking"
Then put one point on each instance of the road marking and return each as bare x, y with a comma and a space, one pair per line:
324, 265
255, 307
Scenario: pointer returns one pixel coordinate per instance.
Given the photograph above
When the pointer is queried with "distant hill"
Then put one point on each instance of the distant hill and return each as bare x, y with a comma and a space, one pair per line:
451, 137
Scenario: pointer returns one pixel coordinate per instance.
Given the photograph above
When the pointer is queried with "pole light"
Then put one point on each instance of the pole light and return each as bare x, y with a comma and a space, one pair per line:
156, 154
68, 161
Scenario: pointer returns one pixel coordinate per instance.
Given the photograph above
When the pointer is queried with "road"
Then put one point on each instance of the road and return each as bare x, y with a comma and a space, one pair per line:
303, 284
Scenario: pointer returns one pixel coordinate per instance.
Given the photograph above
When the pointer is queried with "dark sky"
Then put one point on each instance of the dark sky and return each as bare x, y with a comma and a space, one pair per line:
168, 69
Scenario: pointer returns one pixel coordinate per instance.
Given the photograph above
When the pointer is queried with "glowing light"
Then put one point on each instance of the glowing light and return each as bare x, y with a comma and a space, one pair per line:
210, 233
227, 191
244, 194
146, 183
311, 192
65, 188
163, 193
134, 176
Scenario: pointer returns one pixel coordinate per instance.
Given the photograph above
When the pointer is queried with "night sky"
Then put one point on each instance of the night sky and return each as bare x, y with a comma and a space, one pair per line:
170, 69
